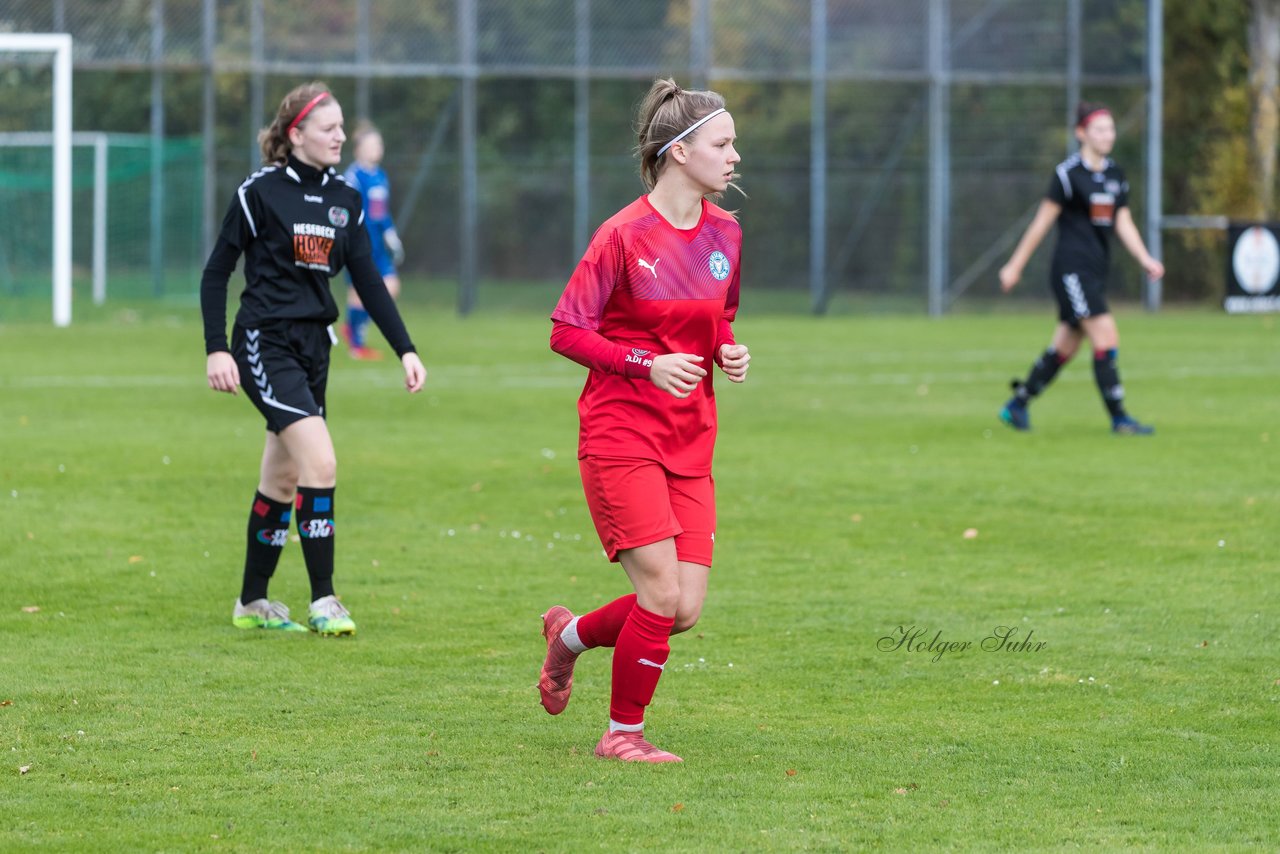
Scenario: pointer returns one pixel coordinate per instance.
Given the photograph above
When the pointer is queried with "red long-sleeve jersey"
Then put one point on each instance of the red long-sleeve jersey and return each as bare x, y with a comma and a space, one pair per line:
643, 289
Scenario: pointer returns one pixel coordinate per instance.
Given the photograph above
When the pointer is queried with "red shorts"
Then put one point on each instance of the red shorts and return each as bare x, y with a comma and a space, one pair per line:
638, 502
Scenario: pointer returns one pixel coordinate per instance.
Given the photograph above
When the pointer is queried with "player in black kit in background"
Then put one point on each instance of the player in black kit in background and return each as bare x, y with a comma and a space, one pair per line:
1088, 198
297, 223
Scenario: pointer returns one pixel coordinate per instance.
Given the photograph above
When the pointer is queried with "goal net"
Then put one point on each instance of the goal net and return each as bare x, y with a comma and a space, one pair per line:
104, 239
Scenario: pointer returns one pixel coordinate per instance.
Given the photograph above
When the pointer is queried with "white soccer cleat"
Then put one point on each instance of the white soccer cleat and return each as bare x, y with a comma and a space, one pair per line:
328, 616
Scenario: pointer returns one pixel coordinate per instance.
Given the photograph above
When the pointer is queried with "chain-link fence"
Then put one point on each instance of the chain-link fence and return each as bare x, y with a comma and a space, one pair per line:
892, 149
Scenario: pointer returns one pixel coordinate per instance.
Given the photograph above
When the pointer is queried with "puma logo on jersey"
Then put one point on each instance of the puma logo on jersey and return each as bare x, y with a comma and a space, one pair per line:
652, 268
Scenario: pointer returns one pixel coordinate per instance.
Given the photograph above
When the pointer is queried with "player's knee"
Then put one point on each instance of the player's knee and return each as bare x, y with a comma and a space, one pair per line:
662, 598
668, 602
686, 618
281, 486
281, 480
321, 470
327, 469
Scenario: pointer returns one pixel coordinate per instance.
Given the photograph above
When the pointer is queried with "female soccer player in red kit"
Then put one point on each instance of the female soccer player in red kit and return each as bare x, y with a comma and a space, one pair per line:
648, 309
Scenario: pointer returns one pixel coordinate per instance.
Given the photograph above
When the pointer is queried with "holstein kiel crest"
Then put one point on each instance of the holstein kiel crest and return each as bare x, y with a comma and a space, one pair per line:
719, 265
339, 216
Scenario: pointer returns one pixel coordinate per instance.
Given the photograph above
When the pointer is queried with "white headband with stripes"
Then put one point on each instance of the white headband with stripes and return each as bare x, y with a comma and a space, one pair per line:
690, 129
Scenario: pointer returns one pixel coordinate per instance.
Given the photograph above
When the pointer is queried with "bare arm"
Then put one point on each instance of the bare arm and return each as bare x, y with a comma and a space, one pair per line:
1044, 220
1132, 240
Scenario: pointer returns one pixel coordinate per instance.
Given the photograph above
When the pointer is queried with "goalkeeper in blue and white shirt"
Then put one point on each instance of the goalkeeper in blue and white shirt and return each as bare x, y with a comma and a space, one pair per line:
367, 175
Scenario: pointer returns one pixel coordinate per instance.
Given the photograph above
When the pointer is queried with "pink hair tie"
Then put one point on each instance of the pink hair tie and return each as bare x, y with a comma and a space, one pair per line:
1084, 123
303, 113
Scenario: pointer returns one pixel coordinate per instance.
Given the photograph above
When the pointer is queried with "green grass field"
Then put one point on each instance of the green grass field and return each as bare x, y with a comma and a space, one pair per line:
849, 468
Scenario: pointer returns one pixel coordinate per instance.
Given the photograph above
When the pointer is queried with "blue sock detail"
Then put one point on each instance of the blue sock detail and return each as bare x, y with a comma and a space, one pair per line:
359, 320
321, 503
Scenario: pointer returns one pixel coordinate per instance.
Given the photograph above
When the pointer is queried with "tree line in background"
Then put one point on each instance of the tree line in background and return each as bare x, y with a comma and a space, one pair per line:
1221, 133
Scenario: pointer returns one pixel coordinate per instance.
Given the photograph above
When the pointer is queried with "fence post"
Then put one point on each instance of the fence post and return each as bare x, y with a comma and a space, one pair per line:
1155, 131
257, 81
939, 153
700, 43
100, 180
818, 157
467, 272
581, 127
208, 120
1075, 68
157, 147
364, 54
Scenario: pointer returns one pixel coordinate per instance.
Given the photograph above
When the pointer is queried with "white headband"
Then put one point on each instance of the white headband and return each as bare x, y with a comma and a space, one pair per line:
690, 129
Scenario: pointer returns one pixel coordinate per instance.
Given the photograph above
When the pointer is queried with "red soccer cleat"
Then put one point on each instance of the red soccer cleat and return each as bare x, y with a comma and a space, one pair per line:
367, 354
556, 679
631, 747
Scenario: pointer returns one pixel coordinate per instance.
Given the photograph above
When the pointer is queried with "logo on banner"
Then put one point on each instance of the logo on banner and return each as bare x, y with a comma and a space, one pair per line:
1253, 272
1256, 260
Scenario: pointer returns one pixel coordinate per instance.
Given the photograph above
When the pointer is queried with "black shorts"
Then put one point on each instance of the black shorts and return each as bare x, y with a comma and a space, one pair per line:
1079, 295
284, 368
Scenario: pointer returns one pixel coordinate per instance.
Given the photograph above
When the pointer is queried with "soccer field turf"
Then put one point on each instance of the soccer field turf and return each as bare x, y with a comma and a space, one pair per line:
849, 469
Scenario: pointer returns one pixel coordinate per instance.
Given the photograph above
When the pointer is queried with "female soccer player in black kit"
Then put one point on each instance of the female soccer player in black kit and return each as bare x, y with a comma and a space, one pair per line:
297, 222
1088, 199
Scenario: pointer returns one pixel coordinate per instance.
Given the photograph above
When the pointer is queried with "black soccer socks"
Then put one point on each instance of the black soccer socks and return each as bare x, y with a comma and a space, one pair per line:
1107, 376
1042, 373
315, 527
268, 532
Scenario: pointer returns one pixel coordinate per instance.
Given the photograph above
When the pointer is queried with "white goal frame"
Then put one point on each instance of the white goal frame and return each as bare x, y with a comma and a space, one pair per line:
59, 44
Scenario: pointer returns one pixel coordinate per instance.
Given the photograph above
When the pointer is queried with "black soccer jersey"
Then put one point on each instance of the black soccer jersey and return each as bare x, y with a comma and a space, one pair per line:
297, 226
1090, 201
